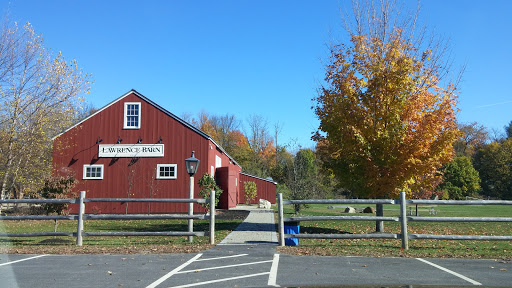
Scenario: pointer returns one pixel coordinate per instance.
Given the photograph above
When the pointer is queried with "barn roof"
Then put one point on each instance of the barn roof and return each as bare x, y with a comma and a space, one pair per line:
269, 179
185, 123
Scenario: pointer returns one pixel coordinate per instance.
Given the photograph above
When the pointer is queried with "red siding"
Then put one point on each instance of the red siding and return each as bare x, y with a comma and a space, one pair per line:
127, 177
136, 177
265, 189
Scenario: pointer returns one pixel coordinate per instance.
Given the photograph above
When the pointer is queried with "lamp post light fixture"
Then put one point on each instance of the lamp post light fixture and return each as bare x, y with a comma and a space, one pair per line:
192, 164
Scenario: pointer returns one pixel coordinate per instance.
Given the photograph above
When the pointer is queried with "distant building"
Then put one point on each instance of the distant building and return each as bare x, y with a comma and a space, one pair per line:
134, 148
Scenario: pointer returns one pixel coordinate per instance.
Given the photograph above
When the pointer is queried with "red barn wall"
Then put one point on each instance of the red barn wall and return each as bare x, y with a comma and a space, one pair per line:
136, 177
130, 177
265, 189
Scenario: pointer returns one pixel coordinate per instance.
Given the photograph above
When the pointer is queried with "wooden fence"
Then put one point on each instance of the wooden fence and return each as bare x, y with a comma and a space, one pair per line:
403, 219
81, 217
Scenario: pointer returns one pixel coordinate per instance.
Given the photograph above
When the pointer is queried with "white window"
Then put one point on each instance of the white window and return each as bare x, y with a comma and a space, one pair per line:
93, 171
132, 115
166, 171
218, 161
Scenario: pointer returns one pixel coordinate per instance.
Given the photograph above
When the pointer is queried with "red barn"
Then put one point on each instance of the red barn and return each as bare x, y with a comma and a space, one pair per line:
134, 148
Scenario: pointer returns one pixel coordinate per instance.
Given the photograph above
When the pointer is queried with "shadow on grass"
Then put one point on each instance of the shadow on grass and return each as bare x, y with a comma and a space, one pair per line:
321, 230
39, 241
56, 241
226, 221
201, 225
12, 241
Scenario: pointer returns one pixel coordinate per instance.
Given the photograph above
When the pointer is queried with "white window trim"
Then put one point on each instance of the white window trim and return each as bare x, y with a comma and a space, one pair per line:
125, 119
218, 161
92, 166
166, 165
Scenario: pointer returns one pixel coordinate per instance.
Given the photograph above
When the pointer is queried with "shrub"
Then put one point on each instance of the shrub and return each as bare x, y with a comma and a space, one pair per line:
58, 187
250, 191
207, 183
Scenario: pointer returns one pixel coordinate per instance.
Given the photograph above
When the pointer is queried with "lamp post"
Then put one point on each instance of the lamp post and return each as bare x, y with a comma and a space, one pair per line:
191, 163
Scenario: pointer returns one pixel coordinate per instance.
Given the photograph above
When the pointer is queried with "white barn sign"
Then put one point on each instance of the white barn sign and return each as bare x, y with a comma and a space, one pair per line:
130, 150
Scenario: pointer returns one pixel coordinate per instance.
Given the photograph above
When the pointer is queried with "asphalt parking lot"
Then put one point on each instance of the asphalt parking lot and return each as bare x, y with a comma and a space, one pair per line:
245, 266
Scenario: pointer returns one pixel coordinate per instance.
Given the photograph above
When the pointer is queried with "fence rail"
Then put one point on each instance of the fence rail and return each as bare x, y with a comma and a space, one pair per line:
40, 217
459, 202
144, 217
458, 219
335, 218
403, 219
40, 201
81, 217
340, 201
158, 200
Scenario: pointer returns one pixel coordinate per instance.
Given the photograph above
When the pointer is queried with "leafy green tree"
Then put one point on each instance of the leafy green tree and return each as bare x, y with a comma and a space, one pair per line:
304, 176
284, 160
508, 130
460, 179
494, 164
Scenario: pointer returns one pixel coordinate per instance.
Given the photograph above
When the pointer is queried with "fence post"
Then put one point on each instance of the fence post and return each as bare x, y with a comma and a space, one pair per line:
379, 225
280, 224
403, 221
212, 217
191, 208
81, 211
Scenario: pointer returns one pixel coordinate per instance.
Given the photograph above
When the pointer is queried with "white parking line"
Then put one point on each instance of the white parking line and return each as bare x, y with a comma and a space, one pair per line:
176, 270
232, 256
451, 272
21, 260
220, 280
222, 267
272, 278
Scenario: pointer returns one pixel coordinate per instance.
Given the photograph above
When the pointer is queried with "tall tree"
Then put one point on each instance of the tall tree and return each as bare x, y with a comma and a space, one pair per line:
258, 135
494, 164
262, 146
460, 179
40, 95
224, 126
386, 124
473, 137
304, 176
508, 130
497, 135
254, 151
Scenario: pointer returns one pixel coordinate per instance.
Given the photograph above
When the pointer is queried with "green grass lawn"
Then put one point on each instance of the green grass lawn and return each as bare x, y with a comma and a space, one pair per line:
110, 243
417, 247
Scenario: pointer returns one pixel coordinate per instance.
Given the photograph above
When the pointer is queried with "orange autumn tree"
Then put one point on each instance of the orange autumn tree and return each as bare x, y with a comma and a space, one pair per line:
204, 124
239, 147
386, 125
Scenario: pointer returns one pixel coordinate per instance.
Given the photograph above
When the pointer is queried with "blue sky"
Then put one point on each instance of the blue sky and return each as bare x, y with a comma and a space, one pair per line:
255, 57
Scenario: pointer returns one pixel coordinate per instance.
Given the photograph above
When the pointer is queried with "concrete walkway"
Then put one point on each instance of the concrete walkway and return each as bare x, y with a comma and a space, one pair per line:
257, 228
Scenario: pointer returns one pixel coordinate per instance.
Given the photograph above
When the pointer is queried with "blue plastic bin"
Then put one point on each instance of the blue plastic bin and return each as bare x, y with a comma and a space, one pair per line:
291, 227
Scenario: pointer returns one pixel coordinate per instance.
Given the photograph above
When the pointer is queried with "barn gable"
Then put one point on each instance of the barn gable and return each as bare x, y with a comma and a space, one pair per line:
163, 110
134, 148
